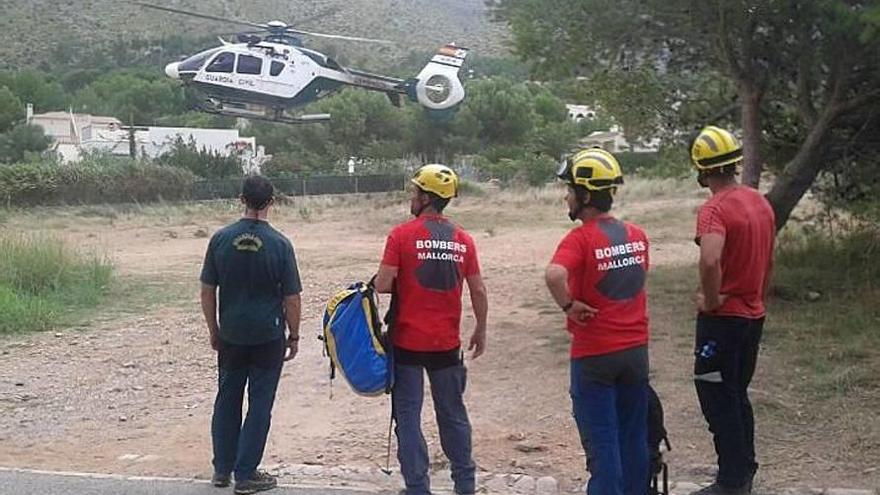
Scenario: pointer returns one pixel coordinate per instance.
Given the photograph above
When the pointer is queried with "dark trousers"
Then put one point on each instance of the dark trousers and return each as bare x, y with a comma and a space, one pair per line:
726, 353
238, 447
447, 389
613, 425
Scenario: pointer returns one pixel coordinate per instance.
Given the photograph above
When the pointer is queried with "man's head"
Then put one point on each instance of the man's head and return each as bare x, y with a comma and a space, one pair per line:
715, 153
592, 176
257, 192
433, 187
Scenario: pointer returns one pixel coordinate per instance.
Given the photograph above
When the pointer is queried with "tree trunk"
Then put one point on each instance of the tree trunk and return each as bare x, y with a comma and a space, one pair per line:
799, 174
750, 105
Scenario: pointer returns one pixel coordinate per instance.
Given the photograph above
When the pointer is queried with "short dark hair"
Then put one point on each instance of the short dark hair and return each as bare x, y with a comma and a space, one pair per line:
724, 172
600, 200
257, 191
438, 203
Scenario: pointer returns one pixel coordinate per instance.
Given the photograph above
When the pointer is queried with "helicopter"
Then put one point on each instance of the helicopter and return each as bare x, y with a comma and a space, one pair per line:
269, 72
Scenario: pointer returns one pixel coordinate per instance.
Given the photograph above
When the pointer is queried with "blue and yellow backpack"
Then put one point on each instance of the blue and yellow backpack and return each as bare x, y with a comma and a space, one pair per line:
354, 341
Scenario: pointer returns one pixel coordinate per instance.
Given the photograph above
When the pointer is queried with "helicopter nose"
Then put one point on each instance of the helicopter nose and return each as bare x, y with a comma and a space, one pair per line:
172, 70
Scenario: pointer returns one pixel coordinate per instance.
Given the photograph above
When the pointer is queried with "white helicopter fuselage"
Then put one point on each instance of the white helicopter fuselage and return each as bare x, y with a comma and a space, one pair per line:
281, 76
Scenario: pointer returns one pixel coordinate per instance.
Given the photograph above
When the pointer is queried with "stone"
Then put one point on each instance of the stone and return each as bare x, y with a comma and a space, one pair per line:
526, 485
813, 296
848, 491
497, 484
313, 470
547, 485
529, 448
684, 488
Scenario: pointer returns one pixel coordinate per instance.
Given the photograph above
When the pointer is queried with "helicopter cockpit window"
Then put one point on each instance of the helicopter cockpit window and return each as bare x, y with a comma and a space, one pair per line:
222, 63
276, 68
249, 65
196, 62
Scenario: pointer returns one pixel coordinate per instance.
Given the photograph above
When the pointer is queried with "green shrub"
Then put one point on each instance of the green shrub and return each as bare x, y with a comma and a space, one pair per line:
41, 278
470, 189
527, 169
668, 163
817, 261
23, 313
201, 162
95, 180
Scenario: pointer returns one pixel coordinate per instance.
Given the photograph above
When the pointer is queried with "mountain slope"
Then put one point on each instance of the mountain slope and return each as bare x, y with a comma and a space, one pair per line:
41, 30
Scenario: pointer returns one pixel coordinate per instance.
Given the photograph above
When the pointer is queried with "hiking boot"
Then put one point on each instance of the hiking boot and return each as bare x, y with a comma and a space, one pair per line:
716, 489
221, 480
260, 481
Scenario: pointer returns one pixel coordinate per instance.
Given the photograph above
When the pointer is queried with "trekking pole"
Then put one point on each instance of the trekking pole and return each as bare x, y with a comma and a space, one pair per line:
387, 469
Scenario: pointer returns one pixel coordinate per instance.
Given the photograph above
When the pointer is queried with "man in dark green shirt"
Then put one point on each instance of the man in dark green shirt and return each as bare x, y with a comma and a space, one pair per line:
254, 267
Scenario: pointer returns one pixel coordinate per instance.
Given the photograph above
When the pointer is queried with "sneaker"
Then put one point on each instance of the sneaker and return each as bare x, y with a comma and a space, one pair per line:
260, 481
221, 480
716, 489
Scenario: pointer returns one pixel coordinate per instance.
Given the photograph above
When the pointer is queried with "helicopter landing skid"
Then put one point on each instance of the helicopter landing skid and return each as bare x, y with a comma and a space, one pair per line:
267, 114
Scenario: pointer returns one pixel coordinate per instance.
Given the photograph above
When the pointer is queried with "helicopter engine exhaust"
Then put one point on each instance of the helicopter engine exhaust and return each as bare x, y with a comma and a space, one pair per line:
437, 86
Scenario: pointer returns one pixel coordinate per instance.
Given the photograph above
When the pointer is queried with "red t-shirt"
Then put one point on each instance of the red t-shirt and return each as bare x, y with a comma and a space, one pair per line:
607, 262
744, 217
433, 257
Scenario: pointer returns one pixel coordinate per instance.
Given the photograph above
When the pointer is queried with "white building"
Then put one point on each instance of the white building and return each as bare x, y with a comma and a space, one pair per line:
69, 130
614, 141
578, 113
74, 134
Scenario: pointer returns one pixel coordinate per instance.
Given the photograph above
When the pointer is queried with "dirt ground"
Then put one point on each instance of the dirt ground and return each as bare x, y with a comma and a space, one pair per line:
130, 390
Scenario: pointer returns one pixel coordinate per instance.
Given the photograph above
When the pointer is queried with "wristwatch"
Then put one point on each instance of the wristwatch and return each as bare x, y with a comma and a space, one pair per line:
293, 337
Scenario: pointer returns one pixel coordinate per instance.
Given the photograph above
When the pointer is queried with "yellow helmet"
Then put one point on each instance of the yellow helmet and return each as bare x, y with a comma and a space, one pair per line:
594, 168
437, 179
715, 147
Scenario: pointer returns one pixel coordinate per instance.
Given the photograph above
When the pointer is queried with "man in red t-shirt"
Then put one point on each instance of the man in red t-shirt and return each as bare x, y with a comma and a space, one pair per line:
597, 277
425, 263
735, 231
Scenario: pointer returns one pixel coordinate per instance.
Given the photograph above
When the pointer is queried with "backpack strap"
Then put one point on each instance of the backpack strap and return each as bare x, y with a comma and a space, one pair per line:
390, 323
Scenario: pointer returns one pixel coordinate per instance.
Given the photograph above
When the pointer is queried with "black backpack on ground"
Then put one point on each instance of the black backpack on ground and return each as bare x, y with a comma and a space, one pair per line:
658, 483
658, 471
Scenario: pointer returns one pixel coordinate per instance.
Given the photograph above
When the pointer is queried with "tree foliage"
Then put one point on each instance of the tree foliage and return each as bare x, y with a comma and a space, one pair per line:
11, 109
801, 75
20, 142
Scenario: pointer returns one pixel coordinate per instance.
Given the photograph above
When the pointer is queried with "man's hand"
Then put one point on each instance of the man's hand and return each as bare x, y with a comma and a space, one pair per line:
292, 347
478, 343
709, 304
581, 311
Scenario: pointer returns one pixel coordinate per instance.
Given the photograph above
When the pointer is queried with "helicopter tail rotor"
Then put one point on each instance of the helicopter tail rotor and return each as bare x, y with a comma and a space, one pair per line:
437, 86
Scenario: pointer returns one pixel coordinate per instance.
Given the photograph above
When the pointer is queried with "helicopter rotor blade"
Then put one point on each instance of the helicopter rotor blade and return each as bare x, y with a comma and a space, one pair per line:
340, 37
201, 16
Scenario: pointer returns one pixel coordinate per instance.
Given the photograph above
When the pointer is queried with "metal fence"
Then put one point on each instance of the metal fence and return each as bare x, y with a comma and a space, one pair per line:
348, 184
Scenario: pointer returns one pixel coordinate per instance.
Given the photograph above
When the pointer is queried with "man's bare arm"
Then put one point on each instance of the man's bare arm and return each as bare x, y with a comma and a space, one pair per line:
384, 282
208, 296
711, 247
293, 315
480, 303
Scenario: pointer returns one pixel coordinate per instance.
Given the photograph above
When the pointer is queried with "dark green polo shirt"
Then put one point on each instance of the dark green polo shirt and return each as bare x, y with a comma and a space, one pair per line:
254, 266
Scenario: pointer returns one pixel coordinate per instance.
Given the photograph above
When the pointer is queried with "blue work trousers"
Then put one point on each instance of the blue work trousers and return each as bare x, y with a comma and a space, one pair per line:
447, 389
612, 422
239, 447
